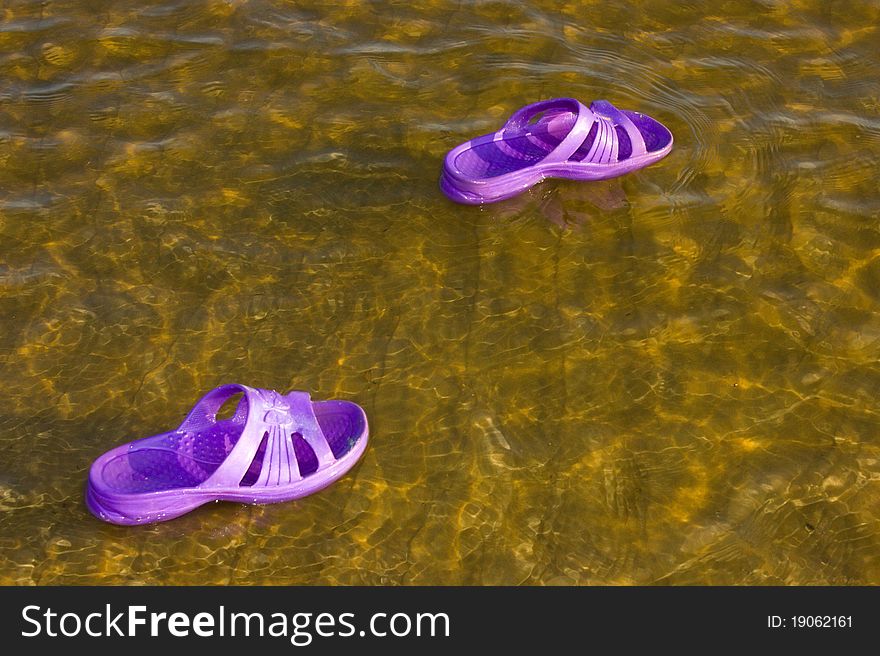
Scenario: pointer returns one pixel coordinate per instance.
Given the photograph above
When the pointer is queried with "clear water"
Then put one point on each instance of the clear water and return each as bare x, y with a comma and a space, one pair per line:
667, 378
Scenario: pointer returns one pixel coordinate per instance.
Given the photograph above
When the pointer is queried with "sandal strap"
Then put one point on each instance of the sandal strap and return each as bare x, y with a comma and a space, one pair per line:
613, 116
277, 418
306, 424
204, 412
572, 141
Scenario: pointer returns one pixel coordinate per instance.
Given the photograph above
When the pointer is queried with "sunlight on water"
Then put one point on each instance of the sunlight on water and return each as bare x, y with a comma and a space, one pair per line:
669, 378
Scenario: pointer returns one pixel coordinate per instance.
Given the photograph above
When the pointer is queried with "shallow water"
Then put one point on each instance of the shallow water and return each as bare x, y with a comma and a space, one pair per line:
667, 378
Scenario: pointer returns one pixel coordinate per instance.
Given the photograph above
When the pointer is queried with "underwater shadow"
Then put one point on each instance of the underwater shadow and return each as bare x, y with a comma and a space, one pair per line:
569, 205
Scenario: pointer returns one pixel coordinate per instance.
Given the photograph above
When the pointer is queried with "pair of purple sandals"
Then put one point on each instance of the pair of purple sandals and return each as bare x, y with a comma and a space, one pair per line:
278, 447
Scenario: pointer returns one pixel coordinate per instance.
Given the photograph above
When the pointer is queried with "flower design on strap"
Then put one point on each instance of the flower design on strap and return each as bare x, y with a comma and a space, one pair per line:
276, 409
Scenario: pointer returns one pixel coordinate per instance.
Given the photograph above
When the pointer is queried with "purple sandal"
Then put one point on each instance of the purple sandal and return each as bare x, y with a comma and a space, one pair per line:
274, 448
568, 140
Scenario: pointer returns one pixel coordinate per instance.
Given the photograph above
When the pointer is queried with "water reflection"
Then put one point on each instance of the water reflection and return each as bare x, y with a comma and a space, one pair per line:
570, 207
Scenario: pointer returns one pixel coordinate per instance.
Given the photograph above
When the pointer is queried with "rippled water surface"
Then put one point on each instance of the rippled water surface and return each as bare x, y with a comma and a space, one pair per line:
670, 378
